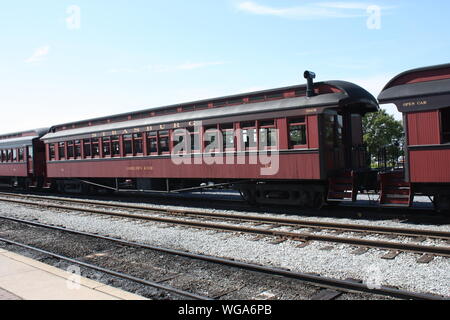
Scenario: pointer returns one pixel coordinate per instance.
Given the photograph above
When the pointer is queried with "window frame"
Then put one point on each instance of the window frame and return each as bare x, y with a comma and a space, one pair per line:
106, 142
152, 135
127, 139
167, 136
116, 142
224, 129
291, 122
95, 142
87, 146
262, 126
70, 147
243, 128
61, 155
138, 138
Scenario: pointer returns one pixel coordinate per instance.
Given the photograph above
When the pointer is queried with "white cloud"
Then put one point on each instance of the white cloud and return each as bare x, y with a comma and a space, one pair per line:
39, 54
320, 10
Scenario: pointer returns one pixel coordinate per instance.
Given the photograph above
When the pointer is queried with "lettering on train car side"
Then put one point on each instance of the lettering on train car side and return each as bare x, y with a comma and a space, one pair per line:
415, 103
140, 168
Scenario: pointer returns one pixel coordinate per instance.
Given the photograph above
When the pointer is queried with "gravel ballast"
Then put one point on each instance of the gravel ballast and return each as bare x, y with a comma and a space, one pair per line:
404, 272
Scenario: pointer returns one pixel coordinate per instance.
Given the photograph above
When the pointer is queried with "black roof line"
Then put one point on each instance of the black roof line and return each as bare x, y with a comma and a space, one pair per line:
429, 68
342, 85
40, 132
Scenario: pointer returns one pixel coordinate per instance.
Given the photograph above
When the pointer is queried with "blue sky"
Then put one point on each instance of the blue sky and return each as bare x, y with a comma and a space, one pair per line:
70, 60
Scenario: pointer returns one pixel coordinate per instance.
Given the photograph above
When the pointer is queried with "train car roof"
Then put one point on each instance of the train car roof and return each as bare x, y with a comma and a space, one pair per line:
21, 139
345, 94
422, 83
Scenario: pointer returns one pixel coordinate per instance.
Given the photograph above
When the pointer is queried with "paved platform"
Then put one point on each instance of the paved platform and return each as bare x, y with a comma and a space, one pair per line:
22, 278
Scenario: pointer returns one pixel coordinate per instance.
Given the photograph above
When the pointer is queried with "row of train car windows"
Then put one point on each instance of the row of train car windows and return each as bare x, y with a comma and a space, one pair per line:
253, 135
13, 155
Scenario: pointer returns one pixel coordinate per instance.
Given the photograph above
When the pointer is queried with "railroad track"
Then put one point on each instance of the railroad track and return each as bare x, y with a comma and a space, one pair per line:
331, 288
196, 218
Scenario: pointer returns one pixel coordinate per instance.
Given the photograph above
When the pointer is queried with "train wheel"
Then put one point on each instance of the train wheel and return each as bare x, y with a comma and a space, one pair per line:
319, 200
442, 203
248, 196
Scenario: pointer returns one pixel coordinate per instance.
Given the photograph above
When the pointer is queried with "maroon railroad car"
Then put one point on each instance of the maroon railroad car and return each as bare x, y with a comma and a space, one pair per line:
22, 158
275, 146
423, 96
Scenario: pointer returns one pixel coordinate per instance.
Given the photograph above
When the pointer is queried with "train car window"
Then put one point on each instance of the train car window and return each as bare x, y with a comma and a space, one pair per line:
249, 135
30, 152
194, 135
267, 134
228, 136
164, 141
188, 108
14, 155
61, 150
297, 133
106, 142
201, 106
211, 135
128, 144
77, 149
138, 145
445, 120
257, 98
276, 96
235, 101
115, 144
1, 155
220, 104
8, 155
87, 147
95, 148
179, 139
51, 149
152, 143
70, 150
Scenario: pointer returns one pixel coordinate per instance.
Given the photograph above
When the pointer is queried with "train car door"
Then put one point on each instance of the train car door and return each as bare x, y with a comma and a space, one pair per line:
343, 141
30, 162
333, 127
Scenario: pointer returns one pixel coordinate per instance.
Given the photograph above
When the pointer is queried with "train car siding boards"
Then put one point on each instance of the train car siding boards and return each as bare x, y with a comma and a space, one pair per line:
423, 95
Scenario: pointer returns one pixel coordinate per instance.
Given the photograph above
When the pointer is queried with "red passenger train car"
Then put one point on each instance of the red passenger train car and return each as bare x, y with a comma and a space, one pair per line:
22, 159
300, 145
423, 96
275, 146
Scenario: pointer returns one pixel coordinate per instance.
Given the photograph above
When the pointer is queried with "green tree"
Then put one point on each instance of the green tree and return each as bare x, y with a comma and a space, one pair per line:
382, 130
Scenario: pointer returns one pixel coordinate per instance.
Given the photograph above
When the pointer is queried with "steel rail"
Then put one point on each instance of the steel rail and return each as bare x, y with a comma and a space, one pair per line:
110, 272
286, 222
347, 285
416, 248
